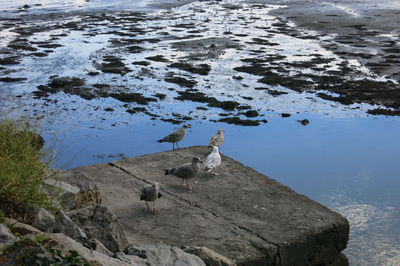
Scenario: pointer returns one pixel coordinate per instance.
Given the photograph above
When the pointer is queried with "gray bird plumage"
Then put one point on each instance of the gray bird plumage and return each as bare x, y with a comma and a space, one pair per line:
175, 137
213, 160
186, 171
151, 193
218, 139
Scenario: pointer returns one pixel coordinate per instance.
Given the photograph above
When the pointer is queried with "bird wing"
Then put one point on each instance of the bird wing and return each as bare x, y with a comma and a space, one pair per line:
216, 140
143, 193
184, 171
175, 136
212, 160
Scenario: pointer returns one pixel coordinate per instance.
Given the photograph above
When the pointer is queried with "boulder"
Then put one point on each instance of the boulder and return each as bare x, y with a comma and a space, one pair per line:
6, 236
39, 218
244, 215
76, 189
161, 254
65, 225
27, 248
22, 229
100, 223
210, 257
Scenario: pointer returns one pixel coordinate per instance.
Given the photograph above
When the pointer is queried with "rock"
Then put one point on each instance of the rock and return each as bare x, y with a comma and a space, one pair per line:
161, 254
100, 223
77, 189
304, 122
22, 229
210, 257
65, 225
6, 236
25, 249
243, 215
39, 218
44, 221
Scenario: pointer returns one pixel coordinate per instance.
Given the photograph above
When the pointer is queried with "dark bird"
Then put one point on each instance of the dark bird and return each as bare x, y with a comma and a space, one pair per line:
186, 171
175, 137
151, 193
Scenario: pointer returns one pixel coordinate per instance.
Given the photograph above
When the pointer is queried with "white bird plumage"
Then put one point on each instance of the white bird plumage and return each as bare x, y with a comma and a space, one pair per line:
213, 160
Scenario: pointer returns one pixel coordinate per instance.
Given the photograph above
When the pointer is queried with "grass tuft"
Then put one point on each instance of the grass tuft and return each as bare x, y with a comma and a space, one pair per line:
23, 164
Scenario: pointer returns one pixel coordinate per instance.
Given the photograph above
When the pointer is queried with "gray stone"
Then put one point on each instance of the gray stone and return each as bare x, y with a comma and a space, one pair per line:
39, 217
77, 190
22, 229
210, 257
6, 236
241, 214
100, 223
161, 254
94, 257
65, 225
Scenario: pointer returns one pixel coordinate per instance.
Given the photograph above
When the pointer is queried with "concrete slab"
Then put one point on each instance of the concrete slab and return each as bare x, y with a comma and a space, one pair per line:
242, 214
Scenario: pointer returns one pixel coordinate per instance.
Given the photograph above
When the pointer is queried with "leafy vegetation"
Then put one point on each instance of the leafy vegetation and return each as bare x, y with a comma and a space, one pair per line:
23, 164
39, 251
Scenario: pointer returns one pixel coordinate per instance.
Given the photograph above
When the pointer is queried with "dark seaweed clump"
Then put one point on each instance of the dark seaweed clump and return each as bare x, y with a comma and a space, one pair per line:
196, 96
201, 69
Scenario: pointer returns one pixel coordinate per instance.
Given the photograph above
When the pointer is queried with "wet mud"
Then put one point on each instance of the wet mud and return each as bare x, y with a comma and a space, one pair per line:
173, 48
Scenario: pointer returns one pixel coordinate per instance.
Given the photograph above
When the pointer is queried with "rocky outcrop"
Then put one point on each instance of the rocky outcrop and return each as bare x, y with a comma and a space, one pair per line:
6, 236
161, 254
76, 189
240, 214
210, 257
65, 225
100, 223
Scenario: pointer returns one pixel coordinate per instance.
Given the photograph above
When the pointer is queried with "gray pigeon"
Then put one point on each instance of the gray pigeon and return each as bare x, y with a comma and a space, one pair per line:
218, 139
151, 193
186, 171
175, 137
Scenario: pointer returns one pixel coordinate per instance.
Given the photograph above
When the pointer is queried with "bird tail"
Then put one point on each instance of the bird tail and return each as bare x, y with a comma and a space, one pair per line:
167, 172
142, 197
159, 195
160, 140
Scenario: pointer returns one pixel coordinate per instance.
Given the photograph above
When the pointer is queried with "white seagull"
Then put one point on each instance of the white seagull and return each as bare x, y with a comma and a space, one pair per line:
213, 160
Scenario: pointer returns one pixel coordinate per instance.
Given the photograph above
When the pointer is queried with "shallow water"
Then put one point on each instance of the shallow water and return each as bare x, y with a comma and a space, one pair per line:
343, 159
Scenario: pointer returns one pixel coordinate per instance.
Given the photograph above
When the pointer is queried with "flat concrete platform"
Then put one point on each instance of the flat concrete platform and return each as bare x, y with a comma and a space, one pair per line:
240, 213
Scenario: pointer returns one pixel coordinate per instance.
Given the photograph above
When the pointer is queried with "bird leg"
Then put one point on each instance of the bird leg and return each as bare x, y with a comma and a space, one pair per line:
187, 185
154, 210
147, 206
177, 145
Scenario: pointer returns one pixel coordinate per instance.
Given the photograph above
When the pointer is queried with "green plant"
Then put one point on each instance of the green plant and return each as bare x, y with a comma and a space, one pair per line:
1, 217
38, 252
23, 164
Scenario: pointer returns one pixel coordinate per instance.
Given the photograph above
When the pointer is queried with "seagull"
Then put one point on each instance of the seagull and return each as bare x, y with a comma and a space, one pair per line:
151, 193
186, 171
175, 137
213, 160
218, 139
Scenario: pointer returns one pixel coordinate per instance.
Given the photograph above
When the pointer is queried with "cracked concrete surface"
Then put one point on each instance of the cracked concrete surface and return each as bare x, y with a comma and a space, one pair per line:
242, 214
